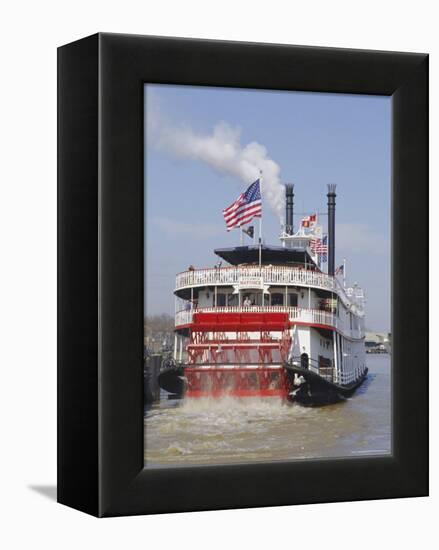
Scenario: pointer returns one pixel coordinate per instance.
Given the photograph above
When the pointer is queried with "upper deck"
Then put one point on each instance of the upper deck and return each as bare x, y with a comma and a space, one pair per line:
269, 254
260, 277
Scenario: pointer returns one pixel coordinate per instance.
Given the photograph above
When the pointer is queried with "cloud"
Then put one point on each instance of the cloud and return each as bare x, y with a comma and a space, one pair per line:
221, 149
358, 238
199, 231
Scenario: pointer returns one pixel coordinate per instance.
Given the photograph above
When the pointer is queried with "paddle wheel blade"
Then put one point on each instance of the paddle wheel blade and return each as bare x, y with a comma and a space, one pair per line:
236, 382
240, 355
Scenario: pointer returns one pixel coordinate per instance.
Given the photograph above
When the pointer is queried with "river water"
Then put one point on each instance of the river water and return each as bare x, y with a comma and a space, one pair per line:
224, 431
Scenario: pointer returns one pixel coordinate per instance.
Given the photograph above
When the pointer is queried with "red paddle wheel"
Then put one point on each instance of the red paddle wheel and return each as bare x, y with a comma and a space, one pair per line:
237, 354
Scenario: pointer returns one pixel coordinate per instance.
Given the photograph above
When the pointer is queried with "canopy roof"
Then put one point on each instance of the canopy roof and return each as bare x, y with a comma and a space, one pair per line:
276, 255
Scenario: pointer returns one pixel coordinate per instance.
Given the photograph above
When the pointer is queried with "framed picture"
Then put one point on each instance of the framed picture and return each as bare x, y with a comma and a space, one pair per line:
239, 229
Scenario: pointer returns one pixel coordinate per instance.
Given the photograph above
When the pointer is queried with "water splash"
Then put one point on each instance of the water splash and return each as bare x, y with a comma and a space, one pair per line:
239, 430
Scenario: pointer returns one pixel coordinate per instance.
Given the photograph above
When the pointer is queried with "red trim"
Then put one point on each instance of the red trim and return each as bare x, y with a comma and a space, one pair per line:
241, 322
256, 368
291, 324
283, 393
232, 344
315, 325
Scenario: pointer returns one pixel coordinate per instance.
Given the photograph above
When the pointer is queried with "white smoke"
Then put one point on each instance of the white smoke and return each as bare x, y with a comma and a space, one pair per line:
221, 150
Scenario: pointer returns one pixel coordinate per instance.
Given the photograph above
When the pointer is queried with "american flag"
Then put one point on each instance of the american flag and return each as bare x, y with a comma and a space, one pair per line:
320, 247
246, 207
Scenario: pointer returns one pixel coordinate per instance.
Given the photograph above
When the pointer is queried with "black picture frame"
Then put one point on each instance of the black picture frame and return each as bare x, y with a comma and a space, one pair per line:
100, 267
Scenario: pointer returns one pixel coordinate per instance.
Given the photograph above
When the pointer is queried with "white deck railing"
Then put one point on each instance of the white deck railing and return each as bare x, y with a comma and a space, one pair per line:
265, 275
298, 314
274, 275
303, 315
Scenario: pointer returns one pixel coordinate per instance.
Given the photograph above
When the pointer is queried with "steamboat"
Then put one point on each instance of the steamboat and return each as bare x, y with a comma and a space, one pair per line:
269, 321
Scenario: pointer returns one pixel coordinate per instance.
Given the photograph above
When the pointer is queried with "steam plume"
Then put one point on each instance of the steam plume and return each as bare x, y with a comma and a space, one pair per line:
221, 150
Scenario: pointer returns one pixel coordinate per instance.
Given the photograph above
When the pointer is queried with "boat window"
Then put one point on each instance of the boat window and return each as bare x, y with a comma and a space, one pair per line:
277, 299
247, 300
221, 300
292, 300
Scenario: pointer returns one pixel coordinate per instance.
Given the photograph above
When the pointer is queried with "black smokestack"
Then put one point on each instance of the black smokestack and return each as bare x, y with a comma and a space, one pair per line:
331, 228
289, 208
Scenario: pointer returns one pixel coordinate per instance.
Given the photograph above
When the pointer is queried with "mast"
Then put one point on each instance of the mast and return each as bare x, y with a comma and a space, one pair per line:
331, 228
289, 208
260, 222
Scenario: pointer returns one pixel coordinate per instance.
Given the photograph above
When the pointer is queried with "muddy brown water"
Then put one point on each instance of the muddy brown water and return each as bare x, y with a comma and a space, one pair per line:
224, 431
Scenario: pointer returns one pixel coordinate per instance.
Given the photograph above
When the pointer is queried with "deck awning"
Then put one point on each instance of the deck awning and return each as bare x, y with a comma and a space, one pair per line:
275, 255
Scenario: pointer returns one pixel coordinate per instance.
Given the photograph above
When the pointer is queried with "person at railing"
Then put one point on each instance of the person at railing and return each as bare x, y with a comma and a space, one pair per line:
247, 302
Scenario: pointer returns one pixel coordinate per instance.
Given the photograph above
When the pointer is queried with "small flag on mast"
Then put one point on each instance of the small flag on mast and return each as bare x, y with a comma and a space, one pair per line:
246, 207
340, 270
309, 221
250, 231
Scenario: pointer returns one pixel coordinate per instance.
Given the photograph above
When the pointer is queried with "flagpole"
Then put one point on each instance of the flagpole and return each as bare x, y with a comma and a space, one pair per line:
260, 241
344, 272
260, 222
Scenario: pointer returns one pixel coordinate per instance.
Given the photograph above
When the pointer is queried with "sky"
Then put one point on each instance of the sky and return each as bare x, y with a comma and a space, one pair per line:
202, 145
